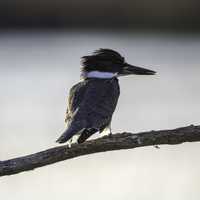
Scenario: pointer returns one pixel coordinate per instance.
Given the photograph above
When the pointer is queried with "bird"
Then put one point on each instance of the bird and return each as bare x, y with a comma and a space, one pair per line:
92, 101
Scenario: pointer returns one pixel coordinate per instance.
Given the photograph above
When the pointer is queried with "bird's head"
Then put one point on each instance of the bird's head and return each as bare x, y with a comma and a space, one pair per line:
107, 63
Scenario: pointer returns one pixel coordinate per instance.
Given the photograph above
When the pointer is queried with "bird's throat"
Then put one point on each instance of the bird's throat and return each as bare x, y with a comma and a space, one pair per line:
98, 74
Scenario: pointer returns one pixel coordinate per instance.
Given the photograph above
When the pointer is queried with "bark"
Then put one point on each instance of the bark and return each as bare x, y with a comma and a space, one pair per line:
107, 143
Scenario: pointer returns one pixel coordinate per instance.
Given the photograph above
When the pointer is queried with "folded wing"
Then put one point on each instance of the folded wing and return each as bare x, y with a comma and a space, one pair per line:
91, 105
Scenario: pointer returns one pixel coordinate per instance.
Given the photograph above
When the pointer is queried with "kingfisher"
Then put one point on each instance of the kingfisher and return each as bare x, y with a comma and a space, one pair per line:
92, 101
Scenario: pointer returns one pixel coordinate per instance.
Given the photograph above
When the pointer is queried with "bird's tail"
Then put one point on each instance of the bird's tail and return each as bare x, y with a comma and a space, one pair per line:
68, 133
86, 134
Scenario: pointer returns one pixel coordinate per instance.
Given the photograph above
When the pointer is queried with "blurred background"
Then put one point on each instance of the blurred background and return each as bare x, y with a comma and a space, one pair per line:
41, 43
170, 14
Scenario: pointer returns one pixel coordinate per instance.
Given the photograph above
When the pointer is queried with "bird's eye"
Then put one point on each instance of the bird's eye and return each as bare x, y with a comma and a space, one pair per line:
119, 62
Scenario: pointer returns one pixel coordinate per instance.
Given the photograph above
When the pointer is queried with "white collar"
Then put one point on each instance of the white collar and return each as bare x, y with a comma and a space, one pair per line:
98, 74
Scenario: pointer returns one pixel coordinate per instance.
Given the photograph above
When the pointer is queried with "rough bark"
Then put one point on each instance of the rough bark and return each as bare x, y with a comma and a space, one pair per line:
115, 142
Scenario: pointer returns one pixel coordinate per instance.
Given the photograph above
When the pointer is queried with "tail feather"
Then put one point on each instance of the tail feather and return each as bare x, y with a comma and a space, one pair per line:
86, 134
68, 134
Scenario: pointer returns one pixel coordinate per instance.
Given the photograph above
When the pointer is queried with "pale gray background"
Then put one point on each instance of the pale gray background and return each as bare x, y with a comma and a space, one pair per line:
36, 71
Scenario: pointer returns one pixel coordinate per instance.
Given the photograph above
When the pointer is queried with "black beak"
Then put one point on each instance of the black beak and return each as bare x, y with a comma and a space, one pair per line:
130, 69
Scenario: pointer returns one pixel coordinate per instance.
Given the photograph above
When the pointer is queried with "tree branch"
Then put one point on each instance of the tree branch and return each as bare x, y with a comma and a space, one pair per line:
106, 143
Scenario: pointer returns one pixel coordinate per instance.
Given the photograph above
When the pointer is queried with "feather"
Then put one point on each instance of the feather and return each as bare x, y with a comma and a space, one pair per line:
91, 105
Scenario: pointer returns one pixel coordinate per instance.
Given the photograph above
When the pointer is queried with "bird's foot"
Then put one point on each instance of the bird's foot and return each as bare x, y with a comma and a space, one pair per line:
69, 143
110, 134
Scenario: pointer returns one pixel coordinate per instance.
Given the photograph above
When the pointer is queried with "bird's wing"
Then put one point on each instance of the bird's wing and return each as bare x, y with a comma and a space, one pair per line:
92, 107
74, 100
99, 103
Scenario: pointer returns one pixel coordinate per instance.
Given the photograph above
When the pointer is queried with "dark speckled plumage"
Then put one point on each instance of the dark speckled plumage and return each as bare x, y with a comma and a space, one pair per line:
92, 101
91, 105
